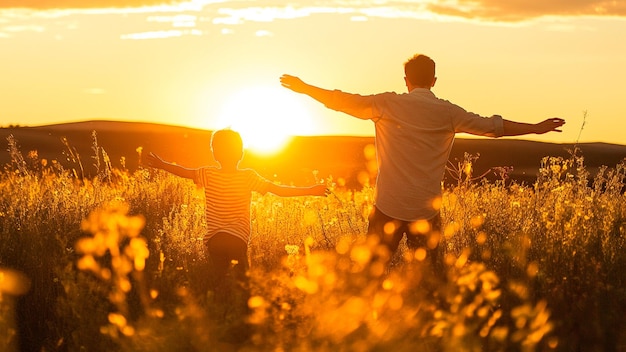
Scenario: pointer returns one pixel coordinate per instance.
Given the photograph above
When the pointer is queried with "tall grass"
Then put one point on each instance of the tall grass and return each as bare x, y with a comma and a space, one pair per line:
116, 263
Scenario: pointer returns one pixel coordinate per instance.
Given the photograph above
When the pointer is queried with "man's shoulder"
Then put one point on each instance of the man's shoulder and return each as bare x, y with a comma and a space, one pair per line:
416, 94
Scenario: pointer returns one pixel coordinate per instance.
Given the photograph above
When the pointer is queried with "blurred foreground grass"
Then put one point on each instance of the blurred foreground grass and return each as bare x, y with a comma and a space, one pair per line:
116, 263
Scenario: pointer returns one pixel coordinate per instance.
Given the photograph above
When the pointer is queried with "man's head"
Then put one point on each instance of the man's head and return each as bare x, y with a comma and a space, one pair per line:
419, 72
227, 147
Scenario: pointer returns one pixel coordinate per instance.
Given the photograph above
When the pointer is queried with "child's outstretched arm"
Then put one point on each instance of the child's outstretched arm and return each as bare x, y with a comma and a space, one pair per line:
156, 162
286, 191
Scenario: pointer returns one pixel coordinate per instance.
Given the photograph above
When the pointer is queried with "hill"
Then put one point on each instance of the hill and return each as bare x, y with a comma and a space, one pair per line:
339, 156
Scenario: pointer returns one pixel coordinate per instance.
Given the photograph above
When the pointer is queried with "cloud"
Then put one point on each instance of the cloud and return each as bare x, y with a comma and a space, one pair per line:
25, 28
268, 10
513, 10
234, 12
263, 33
176, 20
81, 4
173, 33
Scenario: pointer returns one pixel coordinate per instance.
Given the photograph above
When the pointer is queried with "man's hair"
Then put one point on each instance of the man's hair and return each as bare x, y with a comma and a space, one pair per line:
227, 146
420, 70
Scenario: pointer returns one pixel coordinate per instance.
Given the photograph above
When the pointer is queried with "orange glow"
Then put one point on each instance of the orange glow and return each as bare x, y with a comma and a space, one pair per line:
266, 117
201, 49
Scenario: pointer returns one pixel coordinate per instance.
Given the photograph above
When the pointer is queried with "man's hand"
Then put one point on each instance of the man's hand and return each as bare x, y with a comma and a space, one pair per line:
549, 125
294, 83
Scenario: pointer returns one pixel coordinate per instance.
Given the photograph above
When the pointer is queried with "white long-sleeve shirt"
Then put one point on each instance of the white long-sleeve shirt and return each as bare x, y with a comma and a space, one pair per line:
414, 136
227, 199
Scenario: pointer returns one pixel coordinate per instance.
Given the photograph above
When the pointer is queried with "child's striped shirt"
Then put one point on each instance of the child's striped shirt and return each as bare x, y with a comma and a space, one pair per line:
227, 199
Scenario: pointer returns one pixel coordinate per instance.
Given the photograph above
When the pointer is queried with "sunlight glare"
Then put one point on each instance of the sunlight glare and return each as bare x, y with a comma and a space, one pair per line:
266, 117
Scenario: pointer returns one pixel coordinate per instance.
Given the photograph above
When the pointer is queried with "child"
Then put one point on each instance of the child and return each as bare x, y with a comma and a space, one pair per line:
228, 190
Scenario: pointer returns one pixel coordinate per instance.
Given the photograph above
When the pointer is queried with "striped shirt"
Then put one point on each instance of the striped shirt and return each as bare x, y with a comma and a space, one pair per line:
227, 199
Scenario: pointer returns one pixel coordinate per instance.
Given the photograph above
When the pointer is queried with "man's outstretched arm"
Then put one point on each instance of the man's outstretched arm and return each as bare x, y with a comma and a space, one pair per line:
512, 128
324, 96
352, 104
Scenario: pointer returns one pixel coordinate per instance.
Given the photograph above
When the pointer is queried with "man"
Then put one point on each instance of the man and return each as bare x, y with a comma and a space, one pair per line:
414, 136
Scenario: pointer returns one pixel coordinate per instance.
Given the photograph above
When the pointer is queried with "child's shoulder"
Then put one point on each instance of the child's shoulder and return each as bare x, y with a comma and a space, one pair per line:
208, 169
251, 173
248, 171
217, 170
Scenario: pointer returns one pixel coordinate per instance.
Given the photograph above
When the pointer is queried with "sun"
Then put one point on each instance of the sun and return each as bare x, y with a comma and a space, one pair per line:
266, 117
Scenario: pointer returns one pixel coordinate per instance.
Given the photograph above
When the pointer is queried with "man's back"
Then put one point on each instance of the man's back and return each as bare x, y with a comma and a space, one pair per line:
414, 135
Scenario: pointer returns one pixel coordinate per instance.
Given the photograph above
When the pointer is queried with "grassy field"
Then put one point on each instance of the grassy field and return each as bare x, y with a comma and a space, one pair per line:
116, 263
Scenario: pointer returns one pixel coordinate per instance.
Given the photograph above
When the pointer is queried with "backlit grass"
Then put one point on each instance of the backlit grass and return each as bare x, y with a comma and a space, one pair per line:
116, 263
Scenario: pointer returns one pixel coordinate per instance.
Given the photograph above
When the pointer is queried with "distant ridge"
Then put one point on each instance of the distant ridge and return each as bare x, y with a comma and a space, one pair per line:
113, 126
339, 156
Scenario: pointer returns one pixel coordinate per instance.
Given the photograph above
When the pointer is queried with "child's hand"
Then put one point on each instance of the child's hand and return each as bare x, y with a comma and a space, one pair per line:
154, 160
320, 190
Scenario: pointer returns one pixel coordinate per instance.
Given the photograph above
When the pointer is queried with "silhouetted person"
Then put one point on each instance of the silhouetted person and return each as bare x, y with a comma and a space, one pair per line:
228, 191
414, 133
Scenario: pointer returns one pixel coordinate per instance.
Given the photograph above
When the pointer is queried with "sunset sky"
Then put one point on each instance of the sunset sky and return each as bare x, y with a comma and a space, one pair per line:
213, 64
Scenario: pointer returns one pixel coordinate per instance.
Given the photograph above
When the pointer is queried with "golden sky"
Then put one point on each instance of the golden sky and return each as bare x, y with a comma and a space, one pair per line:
212, 64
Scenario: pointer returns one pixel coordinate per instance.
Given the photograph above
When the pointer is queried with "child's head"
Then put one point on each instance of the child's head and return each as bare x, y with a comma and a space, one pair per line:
227, 147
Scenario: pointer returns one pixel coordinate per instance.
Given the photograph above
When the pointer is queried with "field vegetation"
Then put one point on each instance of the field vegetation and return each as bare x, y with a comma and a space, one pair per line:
115, 263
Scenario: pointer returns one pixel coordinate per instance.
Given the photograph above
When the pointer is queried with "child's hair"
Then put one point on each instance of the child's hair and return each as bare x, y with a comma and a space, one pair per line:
227, 146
